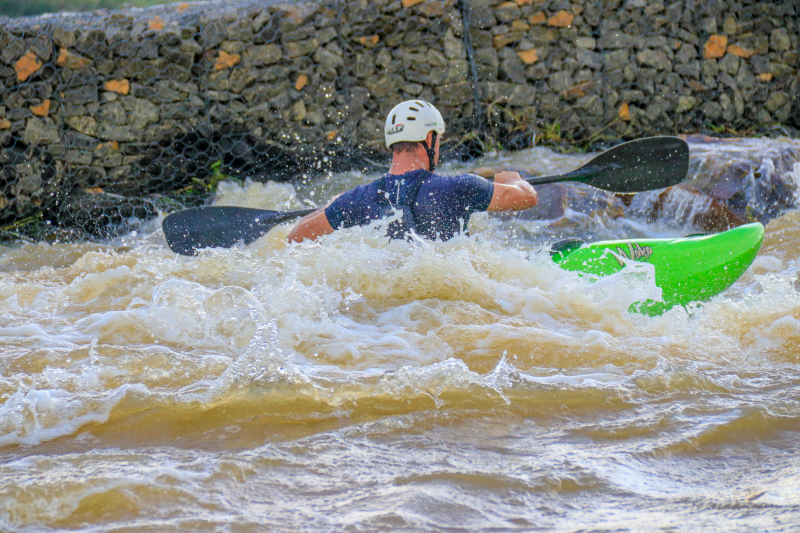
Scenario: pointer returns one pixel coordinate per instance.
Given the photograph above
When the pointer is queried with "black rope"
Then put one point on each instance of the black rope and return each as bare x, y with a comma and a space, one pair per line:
465, 19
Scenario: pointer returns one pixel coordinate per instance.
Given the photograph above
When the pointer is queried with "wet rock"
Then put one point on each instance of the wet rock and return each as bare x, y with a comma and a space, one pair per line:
706, 213
731, 182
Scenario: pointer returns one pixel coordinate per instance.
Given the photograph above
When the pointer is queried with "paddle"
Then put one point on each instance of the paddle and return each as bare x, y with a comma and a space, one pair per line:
635, 166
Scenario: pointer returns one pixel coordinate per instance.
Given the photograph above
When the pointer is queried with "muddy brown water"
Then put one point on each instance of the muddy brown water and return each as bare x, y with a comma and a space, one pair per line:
360, 385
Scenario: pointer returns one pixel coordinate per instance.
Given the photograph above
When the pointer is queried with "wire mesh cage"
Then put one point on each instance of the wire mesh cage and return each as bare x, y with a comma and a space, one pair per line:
110, 117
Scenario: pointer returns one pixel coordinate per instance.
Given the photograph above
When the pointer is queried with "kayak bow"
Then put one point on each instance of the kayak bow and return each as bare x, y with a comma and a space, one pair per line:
688, 269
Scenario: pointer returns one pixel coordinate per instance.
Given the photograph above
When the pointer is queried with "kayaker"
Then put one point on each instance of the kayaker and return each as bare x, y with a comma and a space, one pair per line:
433, 206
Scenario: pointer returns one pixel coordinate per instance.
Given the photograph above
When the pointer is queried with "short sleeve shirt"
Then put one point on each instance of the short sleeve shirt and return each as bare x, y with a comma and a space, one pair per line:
442, 208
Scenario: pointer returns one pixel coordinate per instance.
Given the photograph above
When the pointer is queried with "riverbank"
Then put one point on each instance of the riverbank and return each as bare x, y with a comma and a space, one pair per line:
110, 116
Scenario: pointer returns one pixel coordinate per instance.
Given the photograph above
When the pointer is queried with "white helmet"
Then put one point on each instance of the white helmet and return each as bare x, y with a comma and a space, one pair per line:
410, 121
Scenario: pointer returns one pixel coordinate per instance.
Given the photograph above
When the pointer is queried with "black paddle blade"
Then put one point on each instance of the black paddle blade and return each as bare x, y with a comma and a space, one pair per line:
190, 230
635, 166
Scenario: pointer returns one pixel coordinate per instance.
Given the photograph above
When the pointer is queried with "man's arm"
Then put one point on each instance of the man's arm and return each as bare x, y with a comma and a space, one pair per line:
512, 193
311, 226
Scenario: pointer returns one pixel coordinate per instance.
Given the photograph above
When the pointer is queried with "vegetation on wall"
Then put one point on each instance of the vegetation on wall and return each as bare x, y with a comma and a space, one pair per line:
15, 8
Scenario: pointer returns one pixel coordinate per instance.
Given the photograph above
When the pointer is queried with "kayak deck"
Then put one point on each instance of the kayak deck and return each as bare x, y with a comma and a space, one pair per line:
687, 269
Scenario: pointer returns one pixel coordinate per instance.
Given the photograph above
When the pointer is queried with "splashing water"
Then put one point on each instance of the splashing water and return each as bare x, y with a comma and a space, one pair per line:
360, 384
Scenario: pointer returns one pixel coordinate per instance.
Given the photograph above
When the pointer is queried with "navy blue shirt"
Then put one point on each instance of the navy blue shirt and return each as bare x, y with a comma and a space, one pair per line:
441, 210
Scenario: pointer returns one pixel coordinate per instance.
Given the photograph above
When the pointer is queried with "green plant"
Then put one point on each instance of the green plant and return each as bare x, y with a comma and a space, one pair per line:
549, 134
208, 185
15, 8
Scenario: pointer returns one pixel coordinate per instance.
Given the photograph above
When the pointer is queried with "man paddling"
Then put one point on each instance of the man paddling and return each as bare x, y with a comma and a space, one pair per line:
430, 205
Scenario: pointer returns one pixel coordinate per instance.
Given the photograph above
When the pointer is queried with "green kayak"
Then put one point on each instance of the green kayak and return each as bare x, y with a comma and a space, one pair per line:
688, 269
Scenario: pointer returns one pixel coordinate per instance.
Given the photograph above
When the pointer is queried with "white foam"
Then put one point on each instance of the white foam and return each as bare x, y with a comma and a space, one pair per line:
32, 416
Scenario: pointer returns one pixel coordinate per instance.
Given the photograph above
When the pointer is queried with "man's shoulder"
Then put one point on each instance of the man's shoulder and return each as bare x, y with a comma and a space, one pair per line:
460, 181
460, 178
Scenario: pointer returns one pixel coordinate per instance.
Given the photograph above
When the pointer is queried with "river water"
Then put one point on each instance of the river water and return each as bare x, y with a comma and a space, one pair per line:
359, 385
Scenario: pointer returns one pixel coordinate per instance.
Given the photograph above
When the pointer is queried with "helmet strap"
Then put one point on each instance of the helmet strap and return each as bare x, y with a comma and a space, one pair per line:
431, 152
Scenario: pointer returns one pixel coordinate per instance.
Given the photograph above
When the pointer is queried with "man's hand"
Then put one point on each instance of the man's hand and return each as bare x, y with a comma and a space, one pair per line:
507, 177
512, 193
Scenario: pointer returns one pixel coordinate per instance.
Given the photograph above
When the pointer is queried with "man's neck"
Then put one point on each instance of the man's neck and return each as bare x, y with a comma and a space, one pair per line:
409, 162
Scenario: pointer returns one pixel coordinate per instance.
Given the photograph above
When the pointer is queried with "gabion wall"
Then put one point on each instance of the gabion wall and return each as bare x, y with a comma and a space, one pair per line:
108, 116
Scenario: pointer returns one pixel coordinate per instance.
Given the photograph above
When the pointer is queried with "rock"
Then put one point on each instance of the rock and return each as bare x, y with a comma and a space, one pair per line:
713, 215
92, 43
689, 70
454, 94
213, 34
26, 66
616, 40
747, 178
616, 59
507, 12
780, 41
453, 47
40, 131
729, 64
118, 86
562, 19
300, 48
654, 58
326, 35
715, 47
481, 17
111, 112
560, 81
328, 59
29, 180
777, 100
42, 109
528, 56
262, 54
81, 95
140, 111
63, 38
383, 85
364, 65
760, 64
304, 65
686, 53
589, 59
685, 103
298, 111
711, 110
42, 47
85, 125
515, 95
414, 89
738, 51
225, 60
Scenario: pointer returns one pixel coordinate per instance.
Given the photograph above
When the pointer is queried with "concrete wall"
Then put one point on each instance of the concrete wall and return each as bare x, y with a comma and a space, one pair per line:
141, 103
